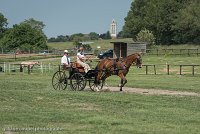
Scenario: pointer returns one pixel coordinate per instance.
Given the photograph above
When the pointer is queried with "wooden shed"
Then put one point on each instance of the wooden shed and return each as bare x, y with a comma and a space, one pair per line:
123, 49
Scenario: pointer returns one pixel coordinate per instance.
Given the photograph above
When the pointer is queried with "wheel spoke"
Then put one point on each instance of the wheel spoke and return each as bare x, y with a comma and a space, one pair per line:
94, 86
58, 80
77, 82
59, 86
55, 86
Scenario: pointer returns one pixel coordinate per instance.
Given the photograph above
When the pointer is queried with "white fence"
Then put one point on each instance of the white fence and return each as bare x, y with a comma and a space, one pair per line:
15, 68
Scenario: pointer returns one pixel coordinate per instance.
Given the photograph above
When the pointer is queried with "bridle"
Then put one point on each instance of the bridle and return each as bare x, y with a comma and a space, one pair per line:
139, 61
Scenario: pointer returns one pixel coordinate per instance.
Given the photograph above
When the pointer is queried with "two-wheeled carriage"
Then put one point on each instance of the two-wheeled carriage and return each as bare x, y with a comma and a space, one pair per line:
76, 78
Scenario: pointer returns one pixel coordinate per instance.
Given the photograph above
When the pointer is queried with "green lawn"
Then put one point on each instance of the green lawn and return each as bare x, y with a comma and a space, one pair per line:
29, 101
104, 44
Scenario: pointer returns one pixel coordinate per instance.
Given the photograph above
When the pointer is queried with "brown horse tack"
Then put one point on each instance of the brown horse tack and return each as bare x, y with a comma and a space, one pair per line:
118, 67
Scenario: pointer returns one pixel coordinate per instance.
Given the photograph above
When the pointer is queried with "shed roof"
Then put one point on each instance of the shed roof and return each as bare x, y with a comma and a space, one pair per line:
131, 42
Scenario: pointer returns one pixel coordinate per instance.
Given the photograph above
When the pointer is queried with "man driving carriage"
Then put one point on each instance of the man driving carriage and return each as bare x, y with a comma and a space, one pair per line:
81, 58
65, 60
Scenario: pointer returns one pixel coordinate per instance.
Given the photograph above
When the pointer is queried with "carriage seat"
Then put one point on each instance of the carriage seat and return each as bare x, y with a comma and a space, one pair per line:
77, 66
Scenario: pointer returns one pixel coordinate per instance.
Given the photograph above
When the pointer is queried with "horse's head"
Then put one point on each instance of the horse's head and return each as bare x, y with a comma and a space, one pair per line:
37, 63
138, 61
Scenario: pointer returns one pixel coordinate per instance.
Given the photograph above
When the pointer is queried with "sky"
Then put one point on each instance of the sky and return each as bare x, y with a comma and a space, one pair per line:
67, 17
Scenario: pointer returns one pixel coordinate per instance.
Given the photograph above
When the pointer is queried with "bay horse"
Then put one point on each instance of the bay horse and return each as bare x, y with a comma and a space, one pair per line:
121, 69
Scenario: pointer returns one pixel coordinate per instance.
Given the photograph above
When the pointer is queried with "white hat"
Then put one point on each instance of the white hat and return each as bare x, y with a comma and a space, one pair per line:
65, 51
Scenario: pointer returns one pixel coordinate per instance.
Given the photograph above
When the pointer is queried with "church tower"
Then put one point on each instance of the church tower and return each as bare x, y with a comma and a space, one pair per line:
113, 29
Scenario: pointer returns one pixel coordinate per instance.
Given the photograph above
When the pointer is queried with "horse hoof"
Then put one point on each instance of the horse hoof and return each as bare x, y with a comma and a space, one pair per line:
96, 89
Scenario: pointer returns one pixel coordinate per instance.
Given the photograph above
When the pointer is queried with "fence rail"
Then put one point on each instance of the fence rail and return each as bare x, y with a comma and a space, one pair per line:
147, 69
173, 52
42, 68
171, 69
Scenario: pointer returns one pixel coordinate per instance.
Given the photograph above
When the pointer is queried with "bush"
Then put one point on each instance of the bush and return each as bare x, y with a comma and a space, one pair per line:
146, 36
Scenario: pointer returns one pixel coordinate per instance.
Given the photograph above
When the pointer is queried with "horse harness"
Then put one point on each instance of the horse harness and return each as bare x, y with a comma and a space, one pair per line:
115, 68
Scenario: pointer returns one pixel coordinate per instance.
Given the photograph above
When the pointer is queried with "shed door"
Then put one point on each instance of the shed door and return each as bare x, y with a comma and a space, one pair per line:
120, 50
123, 50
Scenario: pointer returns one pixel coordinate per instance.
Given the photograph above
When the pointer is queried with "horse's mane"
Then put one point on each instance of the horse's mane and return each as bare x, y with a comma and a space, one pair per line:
130, 59
131, 55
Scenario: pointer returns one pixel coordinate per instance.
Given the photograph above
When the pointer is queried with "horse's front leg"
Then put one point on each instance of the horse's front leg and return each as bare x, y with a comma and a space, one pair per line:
123, 81
121, 84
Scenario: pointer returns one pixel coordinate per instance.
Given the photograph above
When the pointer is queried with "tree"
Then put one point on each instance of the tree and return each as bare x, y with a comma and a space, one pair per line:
35, 24
187, 24
60, 38
155, 15
120, 34
146, 36
3, 25
24, 37
108, 35
134, 21
105, 35
93, 36
76, 36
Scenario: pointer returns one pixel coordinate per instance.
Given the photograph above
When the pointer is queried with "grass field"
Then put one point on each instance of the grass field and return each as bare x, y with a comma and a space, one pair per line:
106, 44
30, 102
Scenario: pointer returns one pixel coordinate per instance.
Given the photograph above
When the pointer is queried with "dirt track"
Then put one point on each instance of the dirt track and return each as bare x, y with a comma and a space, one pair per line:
151, 91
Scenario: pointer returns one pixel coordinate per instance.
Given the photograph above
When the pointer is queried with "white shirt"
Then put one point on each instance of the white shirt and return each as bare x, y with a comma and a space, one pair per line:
64, 60
79, 56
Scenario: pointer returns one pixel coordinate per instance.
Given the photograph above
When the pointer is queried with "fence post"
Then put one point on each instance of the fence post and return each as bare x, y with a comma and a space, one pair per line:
4, 67
146, 69
168, 69
9, 67
157, 51
154, 69
29, 69
193, 70
180, 69
41, 68
49, 67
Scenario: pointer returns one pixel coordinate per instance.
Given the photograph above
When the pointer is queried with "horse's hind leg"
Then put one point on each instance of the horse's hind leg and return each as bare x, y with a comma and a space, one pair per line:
104, 79
97, 79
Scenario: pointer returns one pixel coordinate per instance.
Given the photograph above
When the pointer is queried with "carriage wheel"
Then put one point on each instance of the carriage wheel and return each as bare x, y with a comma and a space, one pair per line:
59, 80
77, 81
94, 86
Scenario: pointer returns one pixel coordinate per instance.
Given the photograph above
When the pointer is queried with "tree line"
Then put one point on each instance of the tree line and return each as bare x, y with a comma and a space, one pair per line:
170, 21
80, 37
26, 36
159, 21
